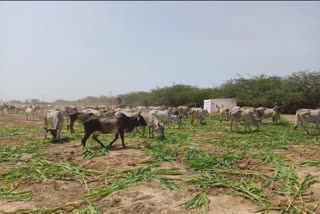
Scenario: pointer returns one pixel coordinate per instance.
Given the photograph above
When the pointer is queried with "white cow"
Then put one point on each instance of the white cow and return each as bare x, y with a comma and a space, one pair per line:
54, 119
153, 123
305, 116
166, 116
30, 111
238, 114
274, 113
96, 113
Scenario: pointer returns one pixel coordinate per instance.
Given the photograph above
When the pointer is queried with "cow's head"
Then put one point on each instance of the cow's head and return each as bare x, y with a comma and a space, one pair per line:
53, 132
160, 129
140, 119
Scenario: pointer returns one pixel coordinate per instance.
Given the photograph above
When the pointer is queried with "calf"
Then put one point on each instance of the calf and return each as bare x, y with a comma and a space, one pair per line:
118, 125
53, 118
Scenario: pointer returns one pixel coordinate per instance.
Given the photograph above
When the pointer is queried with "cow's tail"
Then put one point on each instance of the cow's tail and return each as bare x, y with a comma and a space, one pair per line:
296, 121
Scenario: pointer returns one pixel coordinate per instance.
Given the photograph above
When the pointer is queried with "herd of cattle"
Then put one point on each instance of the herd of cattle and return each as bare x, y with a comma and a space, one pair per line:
111, 119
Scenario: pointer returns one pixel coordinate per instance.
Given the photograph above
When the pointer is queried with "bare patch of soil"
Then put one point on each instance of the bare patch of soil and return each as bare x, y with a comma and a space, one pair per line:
288, 117
49, 194
151, 198
11, 141
114, 158
211, 149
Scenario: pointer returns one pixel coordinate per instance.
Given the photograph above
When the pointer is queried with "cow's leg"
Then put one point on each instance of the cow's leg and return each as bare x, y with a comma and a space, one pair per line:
71, 126
85, 138
122, 139
231, 124
95, 137
304, 127
115, 138
149, 131
317, 127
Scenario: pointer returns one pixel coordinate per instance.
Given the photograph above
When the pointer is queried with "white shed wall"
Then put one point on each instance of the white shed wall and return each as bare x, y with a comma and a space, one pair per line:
210, 105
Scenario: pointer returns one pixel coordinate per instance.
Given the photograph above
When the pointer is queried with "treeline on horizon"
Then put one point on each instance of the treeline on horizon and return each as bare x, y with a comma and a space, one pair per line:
298, 90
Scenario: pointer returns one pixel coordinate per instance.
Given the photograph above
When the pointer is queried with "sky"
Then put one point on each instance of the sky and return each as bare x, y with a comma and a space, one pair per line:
71, 50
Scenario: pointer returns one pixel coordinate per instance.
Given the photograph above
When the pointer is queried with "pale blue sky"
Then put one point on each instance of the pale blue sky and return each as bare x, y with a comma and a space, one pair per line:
70, 50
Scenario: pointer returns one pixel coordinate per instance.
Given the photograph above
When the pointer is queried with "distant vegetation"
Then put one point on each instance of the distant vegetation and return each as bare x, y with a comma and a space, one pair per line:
298, 90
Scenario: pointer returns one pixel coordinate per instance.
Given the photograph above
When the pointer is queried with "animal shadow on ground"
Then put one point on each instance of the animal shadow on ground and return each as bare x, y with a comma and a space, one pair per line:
62, 140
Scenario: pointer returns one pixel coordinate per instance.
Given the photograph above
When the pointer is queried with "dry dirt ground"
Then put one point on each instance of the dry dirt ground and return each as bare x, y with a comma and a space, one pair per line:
147, 197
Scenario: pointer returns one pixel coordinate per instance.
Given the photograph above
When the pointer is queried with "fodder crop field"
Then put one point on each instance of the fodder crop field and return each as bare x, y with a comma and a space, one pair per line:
195, 169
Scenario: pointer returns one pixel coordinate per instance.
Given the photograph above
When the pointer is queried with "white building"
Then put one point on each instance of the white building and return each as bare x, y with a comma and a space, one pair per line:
210, 105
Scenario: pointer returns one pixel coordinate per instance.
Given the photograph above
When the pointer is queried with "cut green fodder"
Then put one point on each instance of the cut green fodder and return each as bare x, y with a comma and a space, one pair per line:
90, 209
198, 201
41, 170
160, 152
9, 154
93, 153
135, 176
7, 193
310, 163
222, 160
19, 130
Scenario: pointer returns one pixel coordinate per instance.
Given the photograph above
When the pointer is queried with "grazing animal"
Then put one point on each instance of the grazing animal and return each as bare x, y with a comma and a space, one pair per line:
198, 114
223, 112
78, 116
4, 109
11, 108
166, 117
274, 113
118, 125
305, 116
238, 114
30, 111
53, 118
96, 112
183, 110
153, 124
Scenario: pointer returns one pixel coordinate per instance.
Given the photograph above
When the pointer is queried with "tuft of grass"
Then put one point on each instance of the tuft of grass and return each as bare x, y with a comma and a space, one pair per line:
222, 160
270, 157
310, 163
160, 152
198, 201
90, 209
89, 154
7, 193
